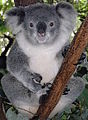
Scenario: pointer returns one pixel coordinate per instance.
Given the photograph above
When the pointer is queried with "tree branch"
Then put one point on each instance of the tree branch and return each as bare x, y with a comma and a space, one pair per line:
68, 67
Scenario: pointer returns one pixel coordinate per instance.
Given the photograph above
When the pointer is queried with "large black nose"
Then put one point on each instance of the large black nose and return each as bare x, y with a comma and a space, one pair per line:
41, 27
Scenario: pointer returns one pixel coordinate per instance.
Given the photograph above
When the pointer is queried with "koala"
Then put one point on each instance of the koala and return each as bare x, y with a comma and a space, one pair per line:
41, 32
35, 58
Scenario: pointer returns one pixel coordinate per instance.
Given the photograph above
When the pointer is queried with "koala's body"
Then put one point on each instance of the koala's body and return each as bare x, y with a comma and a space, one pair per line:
36, 55
41, 32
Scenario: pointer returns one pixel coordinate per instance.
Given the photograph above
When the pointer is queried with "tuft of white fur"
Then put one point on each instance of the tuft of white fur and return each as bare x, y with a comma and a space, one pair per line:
12, 22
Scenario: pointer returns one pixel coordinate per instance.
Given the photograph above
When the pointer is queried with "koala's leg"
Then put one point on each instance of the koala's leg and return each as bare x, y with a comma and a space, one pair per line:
23, 99
73, 89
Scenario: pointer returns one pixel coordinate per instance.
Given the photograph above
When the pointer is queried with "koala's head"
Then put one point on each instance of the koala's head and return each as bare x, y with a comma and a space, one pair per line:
41, 23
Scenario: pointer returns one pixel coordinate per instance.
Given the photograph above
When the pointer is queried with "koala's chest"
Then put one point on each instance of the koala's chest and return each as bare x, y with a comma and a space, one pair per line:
46, 66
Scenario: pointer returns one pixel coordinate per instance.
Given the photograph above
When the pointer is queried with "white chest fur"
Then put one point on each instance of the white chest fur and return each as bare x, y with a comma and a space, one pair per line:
45, 65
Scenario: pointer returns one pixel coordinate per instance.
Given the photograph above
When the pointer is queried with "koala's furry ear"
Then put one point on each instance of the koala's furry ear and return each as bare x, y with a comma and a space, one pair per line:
67, 13
14, 18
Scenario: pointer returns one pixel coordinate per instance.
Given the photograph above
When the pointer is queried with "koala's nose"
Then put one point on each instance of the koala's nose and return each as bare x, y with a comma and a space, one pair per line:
41, 28
41, 34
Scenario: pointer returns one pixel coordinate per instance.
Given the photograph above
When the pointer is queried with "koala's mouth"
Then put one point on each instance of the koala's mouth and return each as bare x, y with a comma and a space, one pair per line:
41, 38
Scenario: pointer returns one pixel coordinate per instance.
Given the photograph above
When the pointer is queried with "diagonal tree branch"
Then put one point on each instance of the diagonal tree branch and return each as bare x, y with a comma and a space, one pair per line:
68, 67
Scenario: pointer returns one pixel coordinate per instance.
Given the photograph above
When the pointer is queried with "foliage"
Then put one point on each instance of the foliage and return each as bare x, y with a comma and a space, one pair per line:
4, 6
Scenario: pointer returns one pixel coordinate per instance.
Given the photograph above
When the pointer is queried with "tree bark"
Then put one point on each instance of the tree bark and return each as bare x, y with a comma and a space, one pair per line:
68, 67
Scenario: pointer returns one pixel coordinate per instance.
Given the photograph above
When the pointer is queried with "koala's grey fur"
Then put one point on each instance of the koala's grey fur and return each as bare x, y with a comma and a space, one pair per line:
35, 58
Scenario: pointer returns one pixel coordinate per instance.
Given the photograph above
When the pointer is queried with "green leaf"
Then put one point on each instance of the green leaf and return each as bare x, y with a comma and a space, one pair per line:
84, 97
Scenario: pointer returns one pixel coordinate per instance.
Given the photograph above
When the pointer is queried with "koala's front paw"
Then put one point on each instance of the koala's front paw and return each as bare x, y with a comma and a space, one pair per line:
83, 58
34, 82
66, 90
36, 78
65, 50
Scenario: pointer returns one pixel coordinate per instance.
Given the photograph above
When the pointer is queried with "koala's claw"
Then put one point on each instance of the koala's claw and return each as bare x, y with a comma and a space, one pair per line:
49, 85
65, 50
37, 78
34, 83
82, 59
66, 90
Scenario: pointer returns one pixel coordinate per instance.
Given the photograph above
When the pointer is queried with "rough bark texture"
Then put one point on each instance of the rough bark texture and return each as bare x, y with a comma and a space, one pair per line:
68, 67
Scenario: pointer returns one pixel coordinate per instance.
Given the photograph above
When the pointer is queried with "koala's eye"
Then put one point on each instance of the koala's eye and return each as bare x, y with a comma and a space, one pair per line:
31, 25
51, 24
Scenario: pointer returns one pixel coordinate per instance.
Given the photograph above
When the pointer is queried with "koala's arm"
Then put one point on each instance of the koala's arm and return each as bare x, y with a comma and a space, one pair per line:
17, 65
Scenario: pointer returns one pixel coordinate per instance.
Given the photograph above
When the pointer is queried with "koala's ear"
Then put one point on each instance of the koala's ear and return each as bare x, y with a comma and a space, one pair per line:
14, 18
66, 12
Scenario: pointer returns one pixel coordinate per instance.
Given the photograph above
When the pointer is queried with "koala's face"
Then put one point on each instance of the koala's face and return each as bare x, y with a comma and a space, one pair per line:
41, 23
